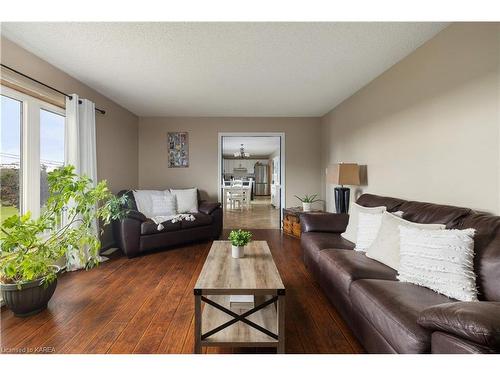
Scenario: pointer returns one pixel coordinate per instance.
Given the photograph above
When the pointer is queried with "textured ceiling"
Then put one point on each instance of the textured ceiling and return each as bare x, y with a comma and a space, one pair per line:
223, 69
253, 145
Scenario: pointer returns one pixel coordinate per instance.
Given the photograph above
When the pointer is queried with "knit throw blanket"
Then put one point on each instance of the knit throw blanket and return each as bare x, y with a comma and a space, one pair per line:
173, 218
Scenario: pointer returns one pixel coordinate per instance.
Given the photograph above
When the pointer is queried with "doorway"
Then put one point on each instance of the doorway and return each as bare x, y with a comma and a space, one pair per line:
251, 179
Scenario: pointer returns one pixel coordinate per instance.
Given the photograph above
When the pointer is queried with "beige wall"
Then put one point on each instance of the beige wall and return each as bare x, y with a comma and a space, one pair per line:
116, 131
428, 128
302, 154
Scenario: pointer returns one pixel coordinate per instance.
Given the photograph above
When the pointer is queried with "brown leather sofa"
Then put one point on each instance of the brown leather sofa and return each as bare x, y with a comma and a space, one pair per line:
388, 316
136, 234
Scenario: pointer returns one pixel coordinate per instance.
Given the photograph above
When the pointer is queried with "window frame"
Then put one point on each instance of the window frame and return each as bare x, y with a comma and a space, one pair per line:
29, 182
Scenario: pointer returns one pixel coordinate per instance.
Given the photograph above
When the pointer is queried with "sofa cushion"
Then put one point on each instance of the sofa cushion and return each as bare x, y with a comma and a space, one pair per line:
429, 213
150, 227
371, 200
392, 308
314, 242
342, 267
200, 220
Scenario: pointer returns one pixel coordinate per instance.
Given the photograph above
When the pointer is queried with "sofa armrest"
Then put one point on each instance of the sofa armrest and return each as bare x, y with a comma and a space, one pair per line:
478, 322
136, 215
324, 222
127, 233
208, 207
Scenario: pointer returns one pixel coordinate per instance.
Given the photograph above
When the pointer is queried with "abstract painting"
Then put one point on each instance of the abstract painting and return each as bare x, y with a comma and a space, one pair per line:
178, 150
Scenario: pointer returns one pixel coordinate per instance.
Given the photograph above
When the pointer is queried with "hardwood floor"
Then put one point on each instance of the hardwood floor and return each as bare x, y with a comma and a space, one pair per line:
261, 216
145, 305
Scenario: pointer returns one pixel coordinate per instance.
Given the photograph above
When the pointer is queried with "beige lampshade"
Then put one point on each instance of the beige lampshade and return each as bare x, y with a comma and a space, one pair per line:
343, 174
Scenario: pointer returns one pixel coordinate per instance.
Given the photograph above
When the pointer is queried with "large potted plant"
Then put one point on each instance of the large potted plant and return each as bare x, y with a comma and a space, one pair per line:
31, 247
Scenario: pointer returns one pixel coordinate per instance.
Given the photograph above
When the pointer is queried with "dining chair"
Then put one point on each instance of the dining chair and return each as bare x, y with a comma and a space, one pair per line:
247, 192
237, 196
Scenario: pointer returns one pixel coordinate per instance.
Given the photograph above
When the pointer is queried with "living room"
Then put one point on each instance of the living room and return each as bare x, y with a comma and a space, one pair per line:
251, 188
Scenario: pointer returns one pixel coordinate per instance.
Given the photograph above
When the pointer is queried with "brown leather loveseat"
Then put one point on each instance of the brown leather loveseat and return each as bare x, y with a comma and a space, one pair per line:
136, 234
388, 316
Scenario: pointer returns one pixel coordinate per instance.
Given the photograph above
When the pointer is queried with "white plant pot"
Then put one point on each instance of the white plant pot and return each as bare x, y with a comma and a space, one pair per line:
306, 207
238, 251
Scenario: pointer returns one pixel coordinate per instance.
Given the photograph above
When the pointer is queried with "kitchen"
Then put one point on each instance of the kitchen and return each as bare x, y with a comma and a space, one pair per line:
250, 181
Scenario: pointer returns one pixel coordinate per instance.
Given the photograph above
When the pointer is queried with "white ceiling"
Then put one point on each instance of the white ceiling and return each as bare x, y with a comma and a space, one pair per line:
223, 69
262, 146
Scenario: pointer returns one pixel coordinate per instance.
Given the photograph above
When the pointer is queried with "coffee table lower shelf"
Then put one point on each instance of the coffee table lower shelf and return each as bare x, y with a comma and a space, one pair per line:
240, 334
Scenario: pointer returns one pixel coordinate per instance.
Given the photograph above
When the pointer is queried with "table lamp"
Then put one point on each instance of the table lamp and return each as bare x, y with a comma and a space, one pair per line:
342, 174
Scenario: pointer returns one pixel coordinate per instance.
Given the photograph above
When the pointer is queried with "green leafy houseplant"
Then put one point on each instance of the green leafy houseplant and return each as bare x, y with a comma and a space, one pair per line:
30, 247
308, 198
240, 237
307, 201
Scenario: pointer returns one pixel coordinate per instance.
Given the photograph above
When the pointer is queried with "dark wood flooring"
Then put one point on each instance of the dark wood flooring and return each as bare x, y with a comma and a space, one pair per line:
145, 305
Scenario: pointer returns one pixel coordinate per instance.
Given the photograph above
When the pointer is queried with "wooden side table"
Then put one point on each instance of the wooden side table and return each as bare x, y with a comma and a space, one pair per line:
291, 220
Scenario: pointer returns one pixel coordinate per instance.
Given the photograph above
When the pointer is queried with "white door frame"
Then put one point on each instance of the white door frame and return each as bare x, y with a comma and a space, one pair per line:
281, 135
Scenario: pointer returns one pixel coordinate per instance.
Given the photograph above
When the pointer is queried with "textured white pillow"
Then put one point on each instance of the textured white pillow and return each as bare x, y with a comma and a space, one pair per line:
187, 200
351, 232
441, 260
368, 227
385, 248
146, 200
164, 205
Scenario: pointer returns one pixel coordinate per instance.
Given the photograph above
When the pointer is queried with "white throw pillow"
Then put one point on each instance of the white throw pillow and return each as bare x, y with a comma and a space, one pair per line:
351, 232
385, 248
148, 200
187, 200
368, 227
441, 260
164, 205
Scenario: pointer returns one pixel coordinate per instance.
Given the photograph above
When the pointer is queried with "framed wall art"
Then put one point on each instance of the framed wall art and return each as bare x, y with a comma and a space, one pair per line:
178, 150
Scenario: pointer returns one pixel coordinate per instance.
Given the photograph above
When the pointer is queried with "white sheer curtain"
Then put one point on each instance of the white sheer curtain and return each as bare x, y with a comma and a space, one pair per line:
80, 150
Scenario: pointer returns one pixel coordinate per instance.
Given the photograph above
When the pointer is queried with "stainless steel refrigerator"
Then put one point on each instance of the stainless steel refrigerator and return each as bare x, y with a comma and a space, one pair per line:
262, 185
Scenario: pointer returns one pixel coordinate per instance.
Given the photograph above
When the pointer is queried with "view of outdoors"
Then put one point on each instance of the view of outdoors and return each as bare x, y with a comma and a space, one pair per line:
10, 156
51, 148
51, 153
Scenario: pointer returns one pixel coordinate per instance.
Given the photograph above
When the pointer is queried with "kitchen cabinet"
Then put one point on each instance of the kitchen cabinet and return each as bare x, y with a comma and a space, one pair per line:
249, 164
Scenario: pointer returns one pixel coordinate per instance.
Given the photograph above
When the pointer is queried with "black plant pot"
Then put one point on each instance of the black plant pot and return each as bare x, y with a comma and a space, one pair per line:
28, 298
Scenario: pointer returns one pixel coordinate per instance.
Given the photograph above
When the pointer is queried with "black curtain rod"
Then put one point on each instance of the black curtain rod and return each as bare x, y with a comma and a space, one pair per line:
49, 87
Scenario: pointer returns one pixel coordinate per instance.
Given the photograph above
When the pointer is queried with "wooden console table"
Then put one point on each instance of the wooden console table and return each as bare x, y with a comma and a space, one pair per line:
291, 220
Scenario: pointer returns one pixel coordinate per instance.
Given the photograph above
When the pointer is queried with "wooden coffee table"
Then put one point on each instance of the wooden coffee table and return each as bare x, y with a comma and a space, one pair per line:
222, 276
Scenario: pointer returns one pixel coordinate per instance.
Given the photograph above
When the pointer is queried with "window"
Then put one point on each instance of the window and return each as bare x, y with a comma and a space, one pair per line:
51, 148
32, 144
10, 157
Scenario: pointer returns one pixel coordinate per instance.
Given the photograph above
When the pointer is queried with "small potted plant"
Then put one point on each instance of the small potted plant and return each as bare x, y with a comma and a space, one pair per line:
307, 201
239, 239
30, 248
